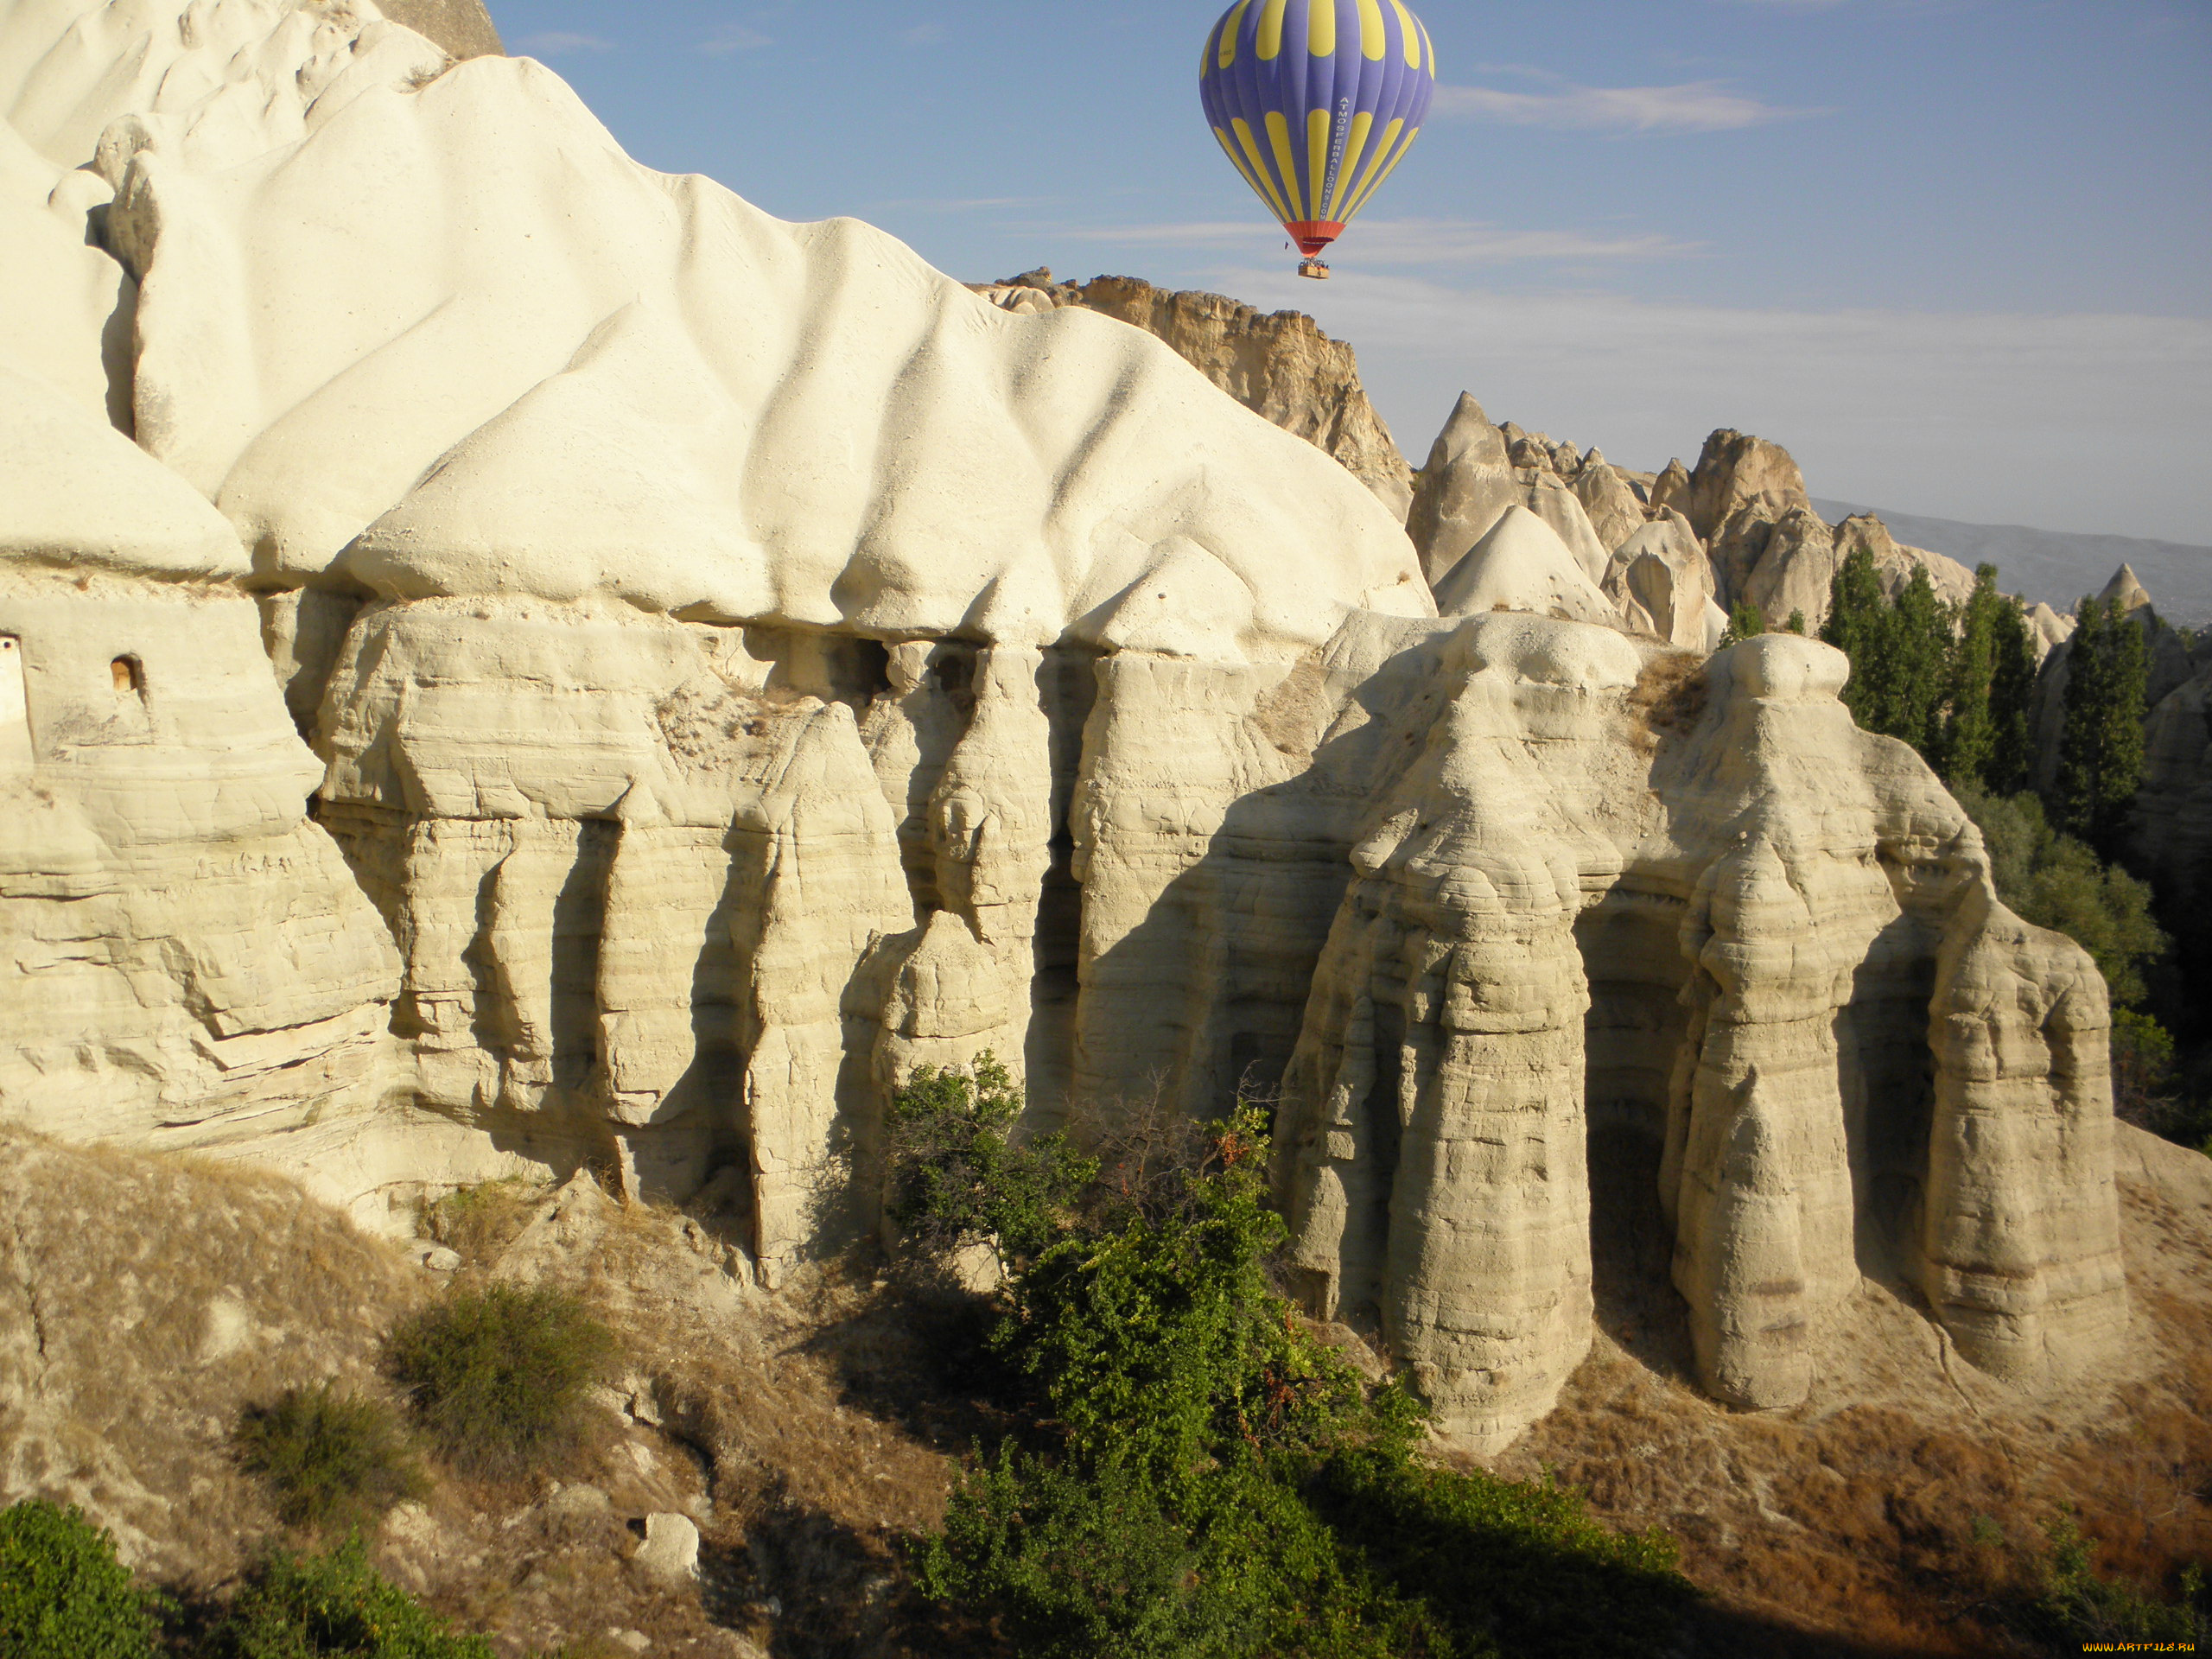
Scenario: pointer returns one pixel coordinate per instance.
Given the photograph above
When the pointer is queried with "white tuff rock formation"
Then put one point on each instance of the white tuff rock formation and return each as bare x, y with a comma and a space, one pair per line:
1280, 366
1520, 564
741, 664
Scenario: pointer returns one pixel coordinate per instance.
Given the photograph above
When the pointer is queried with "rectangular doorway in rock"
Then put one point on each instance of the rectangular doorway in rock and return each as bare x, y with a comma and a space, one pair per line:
15, 708
1634, 1036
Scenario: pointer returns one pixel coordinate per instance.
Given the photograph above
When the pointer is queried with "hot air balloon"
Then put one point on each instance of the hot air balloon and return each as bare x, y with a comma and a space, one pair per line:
1315, 102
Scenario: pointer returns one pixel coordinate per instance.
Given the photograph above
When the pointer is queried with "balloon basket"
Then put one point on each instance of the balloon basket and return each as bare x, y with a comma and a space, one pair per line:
1313, 269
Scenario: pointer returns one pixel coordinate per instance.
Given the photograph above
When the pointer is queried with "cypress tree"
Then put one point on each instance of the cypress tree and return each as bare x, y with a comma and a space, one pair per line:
1920, 646
2012, 695
1854, 626
2101, 754
1746, 621
1968, 740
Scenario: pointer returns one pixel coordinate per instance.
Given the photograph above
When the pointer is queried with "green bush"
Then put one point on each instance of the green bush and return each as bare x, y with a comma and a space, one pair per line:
334, 1605
1209, 1480
2077, 1607
498, 1375
958, 1178
332, 1461
2056, 882
1746, 621
1954, 681
63, 1595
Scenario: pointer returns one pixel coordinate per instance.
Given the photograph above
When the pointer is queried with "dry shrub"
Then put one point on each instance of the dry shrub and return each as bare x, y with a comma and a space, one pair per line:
1668, 698
477, 1223
152, 1297
500, 1375
333, 1460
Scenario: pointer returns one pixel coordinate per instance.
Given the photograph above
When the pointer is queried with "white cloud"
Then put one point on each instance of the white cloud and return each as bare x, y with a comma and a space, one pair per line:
557, 43
734, 38
1413, 241
1694, 106
1988, 417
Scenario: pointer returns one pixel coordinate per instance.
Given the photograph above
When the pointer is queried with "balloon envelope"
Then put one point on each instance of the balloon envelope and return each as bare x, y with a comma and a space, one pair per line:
1316, 101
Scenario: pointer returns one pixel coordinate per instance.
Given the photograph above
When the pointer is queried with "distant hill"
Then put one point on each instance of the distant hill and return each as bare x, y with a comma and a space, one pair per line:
2058, 568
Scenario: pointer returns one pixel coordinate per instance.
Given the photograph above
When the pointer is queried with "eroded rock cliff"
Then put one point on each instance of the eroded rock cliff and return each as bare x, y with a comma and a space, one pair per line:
1278, 364
741, 664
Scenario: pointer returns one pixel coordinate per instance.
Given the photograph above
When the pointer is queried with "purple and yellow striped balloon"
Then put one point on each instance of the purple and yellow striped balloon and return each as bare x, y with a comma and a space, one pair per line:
1316, 101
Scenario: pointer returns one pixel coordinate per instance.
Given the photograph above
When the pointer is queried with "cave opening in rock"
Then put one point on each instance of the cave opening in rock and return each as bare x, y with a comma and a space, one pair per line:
1885, 1071
1067, 687
1634, 1033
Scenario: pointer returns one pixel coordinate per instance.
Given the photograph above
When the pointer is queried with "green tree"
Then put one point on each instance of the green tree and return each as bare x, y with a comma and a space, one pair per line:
2011, 697
63, 1594
1900, 653
1209, 1480
1968, 744
1922, 634
2056, 882
1746, 621
2101, 754
957, 1176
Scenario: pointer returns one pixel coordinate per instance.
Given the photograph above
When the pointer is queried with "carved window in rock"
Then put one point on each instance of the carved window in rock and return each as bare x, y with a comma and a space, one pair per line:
15, 708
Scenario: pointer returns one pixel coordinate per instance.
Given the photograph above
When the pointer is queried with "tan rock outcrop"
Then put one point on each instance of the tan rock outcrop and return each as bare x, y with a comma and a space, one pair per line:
187, 962
2171, 663
1471, 480
463, 28
1520, 564
1661, 582
741, 665
1278, 364
1615, 510
1794, 567
2173, 826
1819, 1016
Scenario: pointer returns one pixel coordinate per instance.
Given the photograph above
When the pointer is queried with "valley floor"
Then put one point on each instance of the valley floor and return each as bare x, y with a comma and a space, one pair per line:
145, 1301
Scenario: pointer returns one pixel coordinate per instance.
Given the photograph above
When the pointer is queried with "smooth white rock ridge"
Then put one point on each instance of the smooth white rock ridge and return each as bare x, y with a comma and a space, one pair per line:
742, 665
187, 959
520, 363
75, 493
1521, 564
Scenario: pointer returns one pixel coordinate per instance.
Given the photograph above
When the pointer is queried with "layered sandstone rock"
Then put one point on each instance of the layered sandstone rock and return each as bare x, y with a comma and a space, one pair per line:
741, 665
1834, 1043
188, 962
1475, 473
1278, 364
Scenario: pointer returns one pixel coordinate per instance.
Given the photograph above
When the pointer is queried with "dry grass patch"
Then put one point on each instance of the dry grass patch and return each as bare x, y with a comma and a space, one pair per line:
144, 1302
1910, 1506
1667, 699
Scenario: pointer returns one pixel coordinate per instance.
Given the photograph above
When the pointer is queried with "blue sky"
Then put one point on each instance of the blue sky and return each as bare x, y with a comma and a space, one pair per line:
1955, 254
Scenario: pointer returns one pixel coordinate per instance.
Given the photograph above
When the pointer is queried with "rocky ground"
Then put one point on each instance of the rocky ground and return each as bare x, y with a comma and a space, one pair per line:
146, 1300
